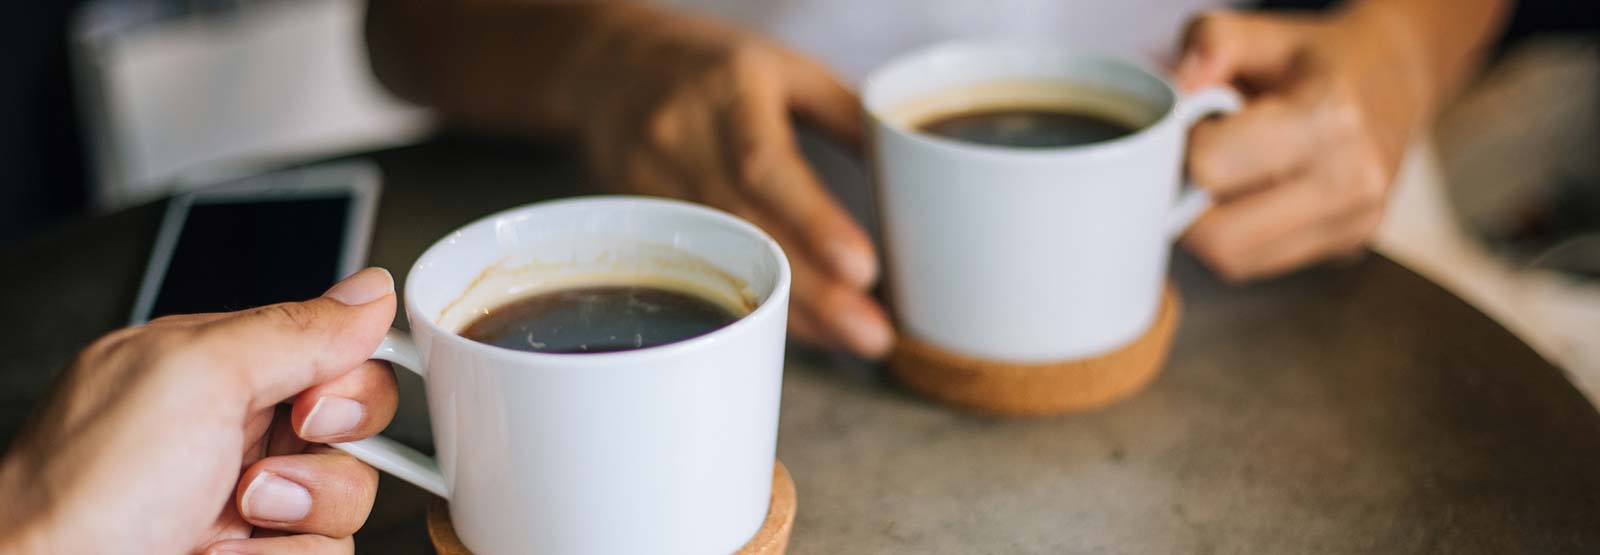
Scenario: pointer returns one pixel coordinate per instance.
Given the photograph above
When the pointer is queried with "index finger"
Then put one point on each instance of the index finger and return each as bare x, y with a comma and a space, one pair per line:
821, 99
770, 170
1224, 46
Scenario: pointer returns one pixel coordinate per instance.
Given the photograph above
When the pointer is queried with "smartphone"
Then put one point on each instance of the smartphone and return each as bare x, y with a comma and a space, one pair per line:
284, 236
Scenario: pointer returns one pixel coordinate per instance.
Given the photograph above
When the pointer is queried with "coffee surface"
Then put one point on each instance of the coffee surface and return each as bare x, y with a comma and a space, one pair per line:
599, 320
1026, 127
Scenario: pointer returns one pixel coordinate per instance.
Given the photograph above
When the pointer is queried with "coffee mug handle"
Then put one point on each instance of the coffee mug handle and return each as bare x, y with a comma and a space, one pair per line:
1194, 201
389, 455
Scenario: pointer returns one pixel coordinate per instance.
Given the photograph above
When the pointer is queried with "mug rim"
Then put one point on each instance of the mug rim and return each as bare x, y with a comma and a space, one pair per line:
875, 78
763, 310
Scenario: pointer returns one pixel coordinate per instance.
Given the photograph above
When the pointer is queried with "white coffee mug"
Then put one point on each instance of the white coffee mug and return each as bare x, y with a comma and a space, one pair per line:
1030, 254
666, 449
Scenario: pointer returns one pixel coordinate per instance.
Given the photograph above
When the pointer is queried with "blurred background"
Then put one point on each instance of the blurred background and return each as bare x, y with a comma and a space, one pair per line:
113, 103
137, 99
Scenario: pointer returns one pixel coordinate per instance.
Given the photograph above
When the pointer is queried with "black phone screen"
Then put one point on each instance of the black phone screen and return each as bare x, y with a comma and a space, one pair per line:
242, 254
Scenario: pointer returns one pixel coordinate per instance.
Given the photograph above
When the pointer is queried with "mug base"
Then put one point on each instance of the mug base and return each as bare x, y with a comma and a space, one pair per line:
771, 539
1042, 388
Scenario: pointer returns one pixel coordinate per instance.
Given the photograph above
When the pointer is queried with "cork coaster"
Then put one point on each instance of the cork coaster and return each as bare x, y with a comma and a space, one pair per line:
771, 539
1037, 389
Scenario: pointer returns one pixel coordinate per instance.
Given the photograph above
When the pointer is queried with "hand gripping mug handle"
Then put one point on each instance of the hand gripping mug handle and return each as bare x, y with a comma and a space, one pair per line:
1194, 201
389, 455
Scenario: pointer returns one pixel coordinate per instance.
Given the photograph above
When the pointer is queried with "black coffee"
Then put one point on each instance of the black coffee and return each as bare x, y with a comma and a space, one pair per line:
1026, 127
599, 320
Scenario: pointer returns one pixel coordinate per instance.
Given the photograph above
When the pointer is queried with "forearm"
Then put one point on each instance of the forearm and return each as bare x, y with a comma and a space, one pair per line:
1443, 39
512, 65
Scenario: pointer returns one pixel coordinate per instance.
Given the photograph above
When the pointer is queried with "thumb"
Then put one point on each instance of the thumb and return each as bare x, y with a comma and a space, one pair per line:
1222, 47
282, 349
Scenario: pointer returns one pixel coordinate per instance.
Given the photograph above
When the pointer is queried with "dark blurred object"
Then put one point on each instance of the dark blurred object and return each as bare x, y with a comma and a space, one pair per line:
1518, 153
1528, 17
1565, 235
43, 175
1578, 256
1552, 16
41, 151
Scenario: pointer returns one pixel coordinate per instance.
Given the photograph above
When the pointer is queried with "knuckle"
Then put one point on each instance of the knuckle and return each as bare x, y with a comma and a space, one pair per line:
1210, 26
362, 491
754, 168
182, 357
715, 66
368, 477
740, 68
292, 317
663, 126
110, 343
746, 58
175, 351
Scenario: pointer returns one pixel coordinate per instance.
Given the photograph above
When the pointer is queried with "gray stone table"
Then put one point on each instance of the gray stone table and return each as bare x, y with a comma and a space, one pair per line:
1353, 409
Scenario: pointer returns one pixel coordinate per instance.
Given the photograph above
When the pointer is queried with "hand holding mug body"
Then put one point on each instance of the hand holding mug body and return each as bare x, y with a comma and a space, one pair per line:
664, 104
705, 116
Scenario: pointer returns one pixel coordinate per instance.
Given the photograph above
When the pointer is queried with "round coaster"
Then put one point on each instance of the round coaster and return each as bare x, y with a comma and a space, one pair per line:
1037, 389
771, 539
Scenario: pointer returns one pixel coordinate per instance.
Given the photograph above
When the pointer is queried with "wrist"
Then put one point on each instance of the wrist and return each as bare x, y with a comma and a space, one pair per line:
1439, 41
1388, 43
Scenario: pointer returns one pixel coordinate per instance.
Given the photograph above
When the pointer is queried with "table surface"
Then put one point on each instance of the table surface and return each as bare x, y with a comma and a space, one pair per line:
1351, 409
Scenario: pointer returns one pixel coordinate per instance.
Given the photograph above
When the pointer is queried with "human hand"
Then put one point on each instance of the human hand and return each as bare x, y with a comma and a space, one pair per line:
1302, 173
704, 115
170, 437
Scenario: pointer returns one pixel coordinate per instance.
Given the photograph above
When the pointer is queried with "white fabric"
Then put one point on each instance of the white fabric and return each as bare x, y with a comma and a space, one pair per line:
180, 103
855, 36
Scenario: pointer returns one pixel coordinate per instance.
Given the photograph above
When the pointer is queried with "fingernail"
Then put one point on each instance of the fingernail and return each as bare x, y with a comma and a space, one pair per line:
364, 287
856, 266
271, 498
872, 338
332, 416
